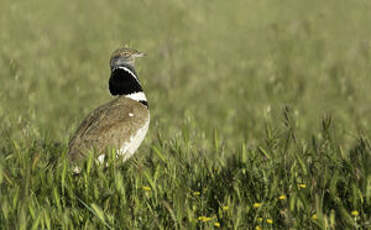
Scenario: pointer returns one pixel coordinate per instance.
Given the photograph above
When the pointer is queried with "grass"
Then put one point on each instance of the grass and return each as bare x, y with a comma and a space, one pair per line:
259, 115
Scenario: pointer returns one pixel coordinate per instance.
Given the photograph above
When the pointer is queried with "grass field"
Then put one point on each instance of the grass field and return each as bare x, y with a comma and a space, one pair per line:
260, 114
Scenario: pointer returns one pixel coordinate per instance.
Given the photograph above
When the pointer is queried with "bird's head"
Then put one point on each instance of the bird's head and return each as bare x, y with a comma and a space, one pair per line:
124, 56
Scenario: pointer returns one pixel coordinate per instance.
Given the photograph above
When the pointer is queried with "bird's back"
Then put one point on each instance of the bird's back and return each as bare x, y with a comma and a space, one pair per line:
120, 124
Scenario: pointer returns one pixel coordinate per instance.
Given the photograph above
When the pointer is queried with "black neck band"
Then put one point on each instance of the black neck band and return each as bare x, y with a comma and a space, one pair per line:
124, 81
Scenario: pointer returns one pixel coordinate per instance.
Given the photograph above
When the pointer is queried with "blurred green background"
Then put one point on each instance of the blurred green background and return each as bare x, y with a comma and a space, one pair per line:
218, 76
225, 65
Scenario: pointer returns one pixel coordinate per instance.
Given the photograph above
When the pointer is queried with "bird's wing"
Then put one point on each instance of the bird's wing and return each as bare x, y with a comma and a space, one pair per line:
108, 126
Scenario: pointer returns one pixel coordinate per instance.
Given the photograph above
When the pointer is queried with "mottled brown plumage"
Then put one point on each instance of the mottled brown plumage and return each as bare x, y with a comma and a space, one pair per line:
108, 126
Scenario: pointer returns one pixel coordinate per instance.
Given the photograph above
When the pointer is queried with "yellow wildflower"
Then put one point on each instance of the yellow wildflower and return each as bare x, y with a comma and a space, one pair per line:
146, 188
355, 213
225, 208
196, 193
269, 221
204, 218
314, 217
258, 228
257, 205
260, 219
217, 224
282, 197
302, 185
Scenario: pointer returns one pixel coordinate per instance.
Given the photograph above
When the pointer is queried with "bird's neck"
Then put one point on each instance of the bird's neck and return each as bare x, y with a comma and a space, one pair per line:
124, 82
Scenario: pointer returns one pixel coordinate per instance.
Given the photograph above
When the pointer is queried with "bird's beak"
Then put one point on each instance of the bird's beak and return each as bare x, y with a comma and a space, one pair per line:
140, 54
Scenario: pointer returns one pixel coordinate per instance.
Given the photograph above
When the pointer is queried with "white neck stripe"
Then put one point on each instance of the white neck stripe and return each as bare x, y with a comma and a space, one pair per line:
128, 70
138, 96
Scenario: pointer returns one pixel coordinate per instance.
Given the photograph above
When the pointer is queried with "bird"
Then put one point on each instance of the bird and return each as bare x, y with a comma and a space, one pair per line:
123, 122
